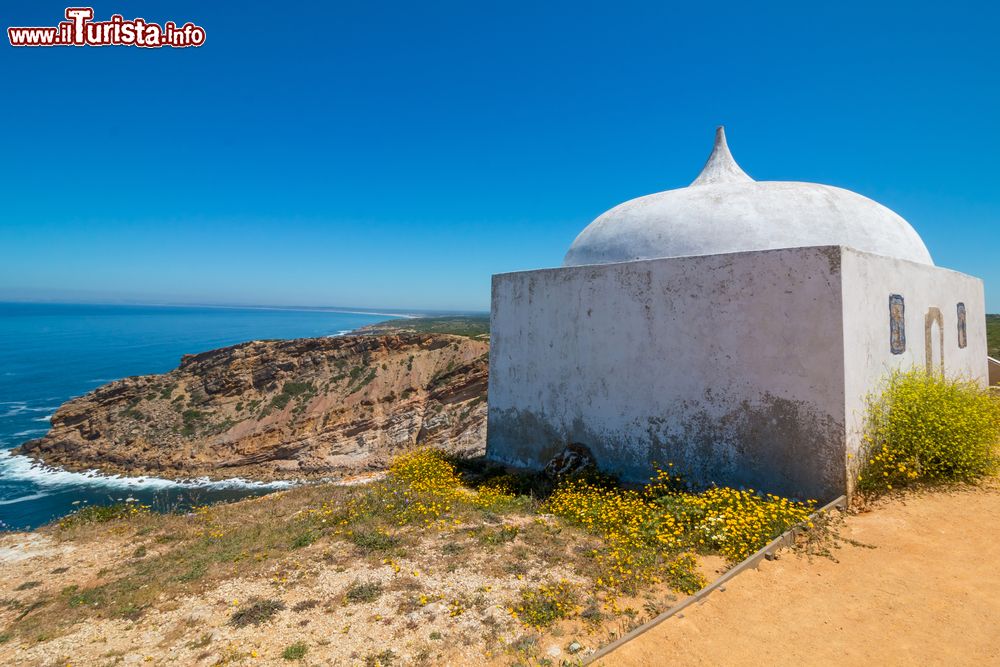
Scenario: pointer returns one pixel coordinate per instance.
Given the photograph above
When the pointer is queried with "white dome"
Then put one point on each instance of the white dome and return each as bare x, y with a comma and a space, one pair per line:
724, 210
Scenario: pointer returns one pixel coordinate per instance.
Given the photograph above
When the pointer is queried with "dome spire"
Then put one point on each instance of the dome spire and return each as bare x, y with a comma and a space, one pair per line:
721, 167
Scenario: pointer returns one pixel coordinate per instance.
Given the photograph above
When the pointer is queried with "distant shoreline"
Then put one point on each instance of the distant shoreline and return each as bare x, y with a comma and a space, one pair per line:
345, 310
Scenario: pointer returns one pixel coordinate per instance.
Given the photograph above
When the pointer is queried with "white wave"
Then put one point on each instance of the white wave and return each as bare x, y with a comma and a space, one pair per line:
20, 407
34, 496
21, 468
30, 431
12, 403
46, 418
405, 316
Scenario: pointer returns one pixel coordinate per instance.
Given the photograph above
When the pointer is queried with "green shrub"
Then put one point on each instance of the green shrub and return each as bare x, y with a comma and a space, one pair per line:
256, 612
290, 390
363, 382
368, 591
928, 428
296, 651
192, 420
540, 607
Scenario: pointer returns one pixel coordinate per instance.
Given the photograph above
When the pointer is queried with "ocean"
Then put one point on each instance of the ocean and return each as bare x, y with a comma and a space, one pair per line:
50, 353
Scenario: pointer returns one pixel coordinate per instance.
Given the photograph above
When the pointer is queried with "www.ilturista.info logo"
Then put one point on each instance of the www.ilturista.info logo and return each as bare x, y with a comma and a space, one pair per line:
81, 30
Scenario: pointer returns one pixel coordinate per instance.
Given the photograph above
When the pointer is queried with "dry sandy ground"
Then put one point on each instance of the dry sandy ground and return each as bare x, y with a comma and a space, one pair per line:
193, 630
927, 593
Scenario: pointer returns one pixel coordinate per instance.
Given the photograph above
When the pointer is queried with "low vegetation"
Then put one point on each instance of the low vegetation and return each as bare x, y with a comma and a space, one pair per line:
90, 514
295, 651
439, 554
367, 591
649, 532
993, 336
470, 326
926, 428
540, 606
255, 612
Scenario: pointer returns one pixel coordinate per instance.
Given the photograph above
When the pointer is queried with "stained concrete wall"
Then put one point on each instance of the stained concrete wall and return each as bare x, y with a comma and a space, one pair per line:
730, 366
930, 297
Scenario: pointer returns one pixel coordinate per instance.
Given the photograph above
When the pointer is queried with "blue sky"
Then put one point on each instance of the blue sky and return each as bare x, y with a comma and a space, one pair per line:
397, 154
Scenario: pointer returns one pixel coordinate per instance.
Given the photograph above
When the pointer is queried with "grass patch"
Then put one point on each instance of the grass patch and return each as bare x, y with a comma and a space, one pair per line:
197, 551
363, 591
257, 612
928, 429
374, 541
304, 539
197, 570
384, 658
541, 606
993, 336
501, 535
92, 514
296, 651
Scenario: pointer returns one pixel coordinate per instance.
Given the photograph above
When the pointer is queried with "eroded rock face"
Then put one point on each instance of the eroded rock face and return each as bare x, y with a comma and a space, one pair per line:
280, 409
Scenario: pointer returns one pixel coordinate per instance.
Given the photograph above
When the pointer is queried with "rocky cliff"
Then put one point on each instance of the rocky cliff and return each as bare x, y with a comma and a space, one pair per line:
280, 409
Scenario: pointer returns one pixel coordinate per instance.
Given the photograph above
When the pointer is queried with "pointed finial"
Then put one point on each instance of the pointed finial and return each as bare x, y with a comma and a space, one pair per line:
721, 167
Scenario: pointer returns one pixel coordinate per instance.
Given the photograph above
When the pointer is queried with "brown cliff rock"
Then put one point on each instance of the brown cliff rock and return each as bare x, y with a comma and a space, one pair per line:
310, 407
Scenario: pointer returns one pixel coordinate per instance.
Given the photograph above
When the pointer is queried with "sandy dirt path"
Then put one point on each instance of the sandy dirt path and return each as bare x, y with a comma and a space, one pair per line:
928, 593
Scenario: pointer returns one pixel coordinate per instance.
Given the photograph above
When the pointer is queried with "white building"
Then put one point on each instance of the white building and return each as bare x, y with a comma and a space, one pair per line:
732, 327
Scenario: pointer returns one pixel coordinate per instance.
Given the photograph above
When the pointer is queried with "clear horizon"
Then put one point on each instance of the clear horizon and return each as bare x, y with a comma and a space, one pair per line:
341, 153
356, 309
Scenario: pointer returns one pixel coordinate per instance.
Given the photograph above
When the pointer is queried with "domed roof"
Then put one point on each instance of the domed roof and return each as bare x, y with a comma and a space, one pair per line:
724, 210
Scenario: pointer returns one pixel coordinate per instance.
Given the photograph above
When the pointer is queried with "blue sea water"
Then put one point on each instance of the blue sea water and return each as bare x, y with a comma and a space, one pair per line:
50, 353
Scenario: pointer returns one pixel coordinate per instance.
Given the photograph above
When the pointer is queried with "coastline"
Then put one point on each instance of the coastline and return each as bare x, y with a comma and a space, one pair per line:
396, 375
207, 478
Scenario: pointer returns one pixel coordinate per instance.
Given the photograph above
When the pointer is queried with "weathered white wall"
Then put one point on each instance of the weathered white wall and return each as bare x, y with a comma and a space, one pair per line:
730, 366
868, 280
743, 369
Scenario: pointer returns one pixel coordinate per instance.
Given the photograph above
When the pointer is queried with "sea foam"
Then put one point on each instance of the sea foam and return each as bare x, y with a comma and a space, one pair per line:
14, 467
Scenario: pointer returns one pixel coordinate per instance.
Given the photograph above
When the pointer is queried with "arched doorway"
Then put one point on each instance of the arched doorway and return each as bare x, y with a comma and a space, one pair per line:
934, 340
